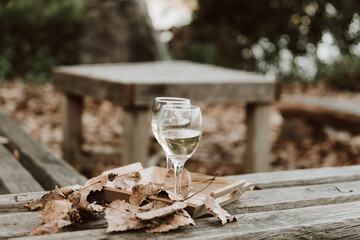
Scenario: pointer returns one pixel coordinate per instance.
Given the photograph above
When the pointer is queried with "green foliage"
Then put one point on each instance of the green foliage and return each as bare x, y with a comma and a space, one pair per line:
283, 37
37, 35
343, 75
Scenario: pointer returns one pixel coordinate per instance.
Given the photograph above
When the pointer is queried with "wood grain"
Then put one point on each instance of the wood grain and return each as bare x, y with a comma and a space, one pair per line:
302, 177
14, 178
319, 222
44, 166
13, 202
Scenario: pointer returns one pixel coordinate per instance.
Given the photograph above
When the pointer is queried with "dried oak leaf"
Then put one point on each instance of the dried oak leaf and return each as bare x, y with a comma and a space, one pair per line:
58, 210
215, 209
52, 195
120, 216
141, 192
128, 181
50, 228
161, 212
185, 181
171, 222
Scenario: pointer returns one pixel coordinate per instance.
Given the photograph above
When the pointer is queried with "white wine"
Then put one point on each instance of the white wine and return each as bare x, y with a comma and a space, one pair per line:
180, 144
170, 123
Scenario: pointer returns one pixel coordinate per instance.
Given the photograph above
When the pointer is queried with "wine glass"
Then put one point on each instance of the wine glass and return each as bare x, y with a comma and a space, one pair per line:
179, 141
158, 103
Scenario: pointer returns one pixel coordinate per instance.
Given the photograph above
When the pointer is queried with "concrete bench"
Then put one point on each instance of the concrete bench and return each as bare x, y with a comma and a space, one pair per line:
134, 86
37, 168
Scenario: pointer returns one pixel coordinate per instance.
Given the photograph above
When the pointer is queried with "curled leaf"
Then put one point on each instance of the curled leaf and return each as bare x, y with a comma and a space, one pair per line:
215, 209
141, 192
128, 181
57, 194
185, 181
172, 196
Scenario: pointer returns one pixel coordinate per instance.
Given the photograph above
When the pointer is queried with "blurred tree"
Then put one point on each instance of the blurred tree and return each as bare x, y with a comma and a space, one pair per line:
36, 35
290, 38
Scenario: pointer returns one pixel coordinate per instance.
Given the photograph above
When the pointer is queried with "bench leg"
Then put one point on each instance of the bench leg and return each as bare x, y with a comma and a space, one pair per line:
136, 136
72, 106
258, 141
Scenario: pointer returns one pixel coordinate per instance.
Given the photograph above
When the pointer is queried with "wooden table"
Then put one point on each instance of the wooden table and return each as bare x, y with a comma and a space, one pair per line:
319, 203
135, 85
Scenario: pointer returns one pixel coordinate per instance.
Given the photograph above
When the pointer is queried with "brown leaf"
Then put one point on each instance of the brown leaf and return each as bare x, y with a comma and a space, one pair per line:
171, 222
141, 192
127, 182
161, 212
57, 210
185, 181
215, 209
49, 228
153, 205
79, 198
120, 216
172, 196
95, 183
58, 191
52, 195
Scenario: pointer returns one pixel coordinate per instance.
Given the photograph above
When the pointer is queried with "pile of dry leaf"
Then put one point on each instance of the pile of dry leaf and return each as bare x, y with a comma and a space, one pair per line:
73, 205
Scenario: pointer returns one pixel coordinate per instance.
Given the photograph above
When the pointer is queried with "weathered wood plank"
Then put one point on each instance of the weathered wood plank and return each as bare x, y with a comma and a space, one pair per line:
337, 113
255, 201
319, 222
302, 177
258, 139
296, 197
14, 178
45, 167
18, 224
13, 202
72, 106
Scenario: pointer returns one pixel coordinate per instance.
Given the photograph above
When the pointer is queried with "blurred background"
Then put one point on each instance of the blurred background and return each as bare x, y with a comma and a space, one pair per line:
311, 46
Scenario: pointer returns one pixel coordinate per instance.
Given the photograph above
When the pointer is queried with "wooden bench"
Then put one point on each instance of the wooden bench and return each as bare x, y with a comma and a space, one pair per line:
37, 168
14, 178
337, 113
322, 203
135, 85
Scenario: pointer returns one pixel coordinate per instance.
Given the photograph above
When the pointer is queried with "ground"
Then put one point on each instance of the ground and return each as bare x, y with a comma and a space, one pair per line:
296, 143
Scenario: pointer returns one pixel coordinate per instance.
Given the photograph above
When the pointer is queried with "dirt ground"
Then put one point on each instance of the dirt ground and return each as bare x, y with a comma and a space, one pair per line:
296, 143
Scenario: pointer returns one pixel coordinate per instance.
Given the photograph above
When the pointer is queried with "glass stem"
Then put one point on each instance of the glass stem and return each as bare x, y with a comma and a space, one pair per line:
178, 168
168, 163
